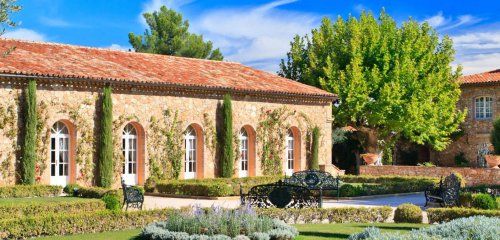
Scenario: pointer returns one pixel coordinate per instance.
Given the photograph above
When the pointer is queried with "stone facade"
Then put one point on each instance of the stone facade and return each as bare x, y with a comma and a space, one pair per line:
79, 106
476, 132
473, 176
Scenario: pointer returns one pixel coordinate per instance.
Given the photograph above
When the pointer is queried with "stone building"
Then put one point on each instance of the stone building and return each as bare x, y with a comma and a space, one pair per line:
481, 97
154, 96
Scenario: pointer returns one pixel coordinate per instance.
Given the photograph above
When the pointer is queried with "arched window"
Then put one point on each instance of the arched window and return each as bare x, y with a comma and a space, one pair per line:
244, 156
483, 107
129, 148
190, 153
290, 153
59, 154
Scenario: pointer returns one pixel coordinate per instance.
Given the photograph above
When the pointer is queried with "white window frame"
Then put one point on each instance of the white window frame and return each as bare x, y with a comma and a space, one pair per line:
290, 154
243, 163
483, 107
59, 154
129, 150
190, 154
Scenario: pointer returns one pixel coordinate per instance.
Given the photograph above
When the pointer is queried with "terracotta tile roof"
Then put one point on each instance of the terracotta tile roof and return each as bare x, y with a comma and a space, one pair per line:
481, 78
67, 61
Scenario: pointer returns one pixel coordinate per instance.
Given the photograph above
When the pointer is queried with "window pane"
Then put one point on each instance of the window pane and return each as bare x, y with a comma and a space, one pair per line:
52, 169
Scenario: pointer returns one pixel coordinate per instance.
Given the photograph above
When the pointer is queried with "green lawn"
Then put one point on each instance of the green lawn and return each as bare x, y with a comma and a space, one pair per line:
307, 231
39, 200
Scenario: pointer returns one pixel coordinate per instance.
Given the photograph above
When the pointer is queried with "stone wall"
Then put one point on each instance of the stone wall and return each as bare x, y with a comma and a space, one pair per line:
473, 176
476, 132
80, 106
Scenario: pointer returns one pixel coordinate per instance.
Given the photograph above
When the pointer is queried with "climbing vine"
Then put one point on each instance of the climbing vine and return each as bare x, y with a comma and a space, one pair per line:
210, 134
271, 131
42, 138
8, 125
118, 158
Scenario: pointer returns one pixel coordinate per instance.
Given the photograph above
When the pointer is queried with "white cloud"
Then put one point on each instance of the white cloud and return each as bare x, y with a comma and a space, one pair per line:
54, 22
462, 20
255, 36
25, 34
478, 63
154, 5
478, 51
437, 20
119, 47
478, 40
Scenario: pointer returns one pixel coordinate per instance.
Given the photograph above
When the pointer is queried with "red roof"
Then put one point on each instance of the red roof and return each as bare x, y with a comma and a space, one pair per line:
486, 77
67, 61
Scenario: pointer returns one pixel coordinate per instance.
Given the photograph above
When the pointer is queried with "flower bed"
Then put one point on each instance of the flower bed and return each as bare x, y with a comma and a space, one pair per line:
19, 209
478, 227
218, 223
22, 191
437, 215
329, 215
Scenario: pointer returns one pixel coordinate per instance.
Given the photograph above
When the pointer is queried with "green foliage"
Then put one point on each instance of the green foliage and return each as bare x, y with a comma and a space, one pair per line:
168, 34
438, 215
461, 160
495, 136
105, 161
408, 213
112, 202
387, 179
7, 7
28, 157
33, 209
333, 215
367, 189
393, 80
226, 142
71, 188
95, 192
484, 201
479, 227
84, 222
314, 165
22, 191
465, 199
426, 164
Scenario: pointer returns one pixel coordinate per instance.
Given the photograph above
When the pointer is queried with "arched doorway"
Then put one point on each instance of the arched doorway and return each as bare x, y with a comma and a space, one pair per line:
62, 154
193, 152
293, 146
246, 163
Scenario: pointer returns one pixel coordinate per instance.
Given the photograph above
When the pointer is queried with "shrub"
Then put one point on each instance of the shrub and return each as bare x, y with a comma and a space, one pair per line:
70, 189
226, 139
461, 160
437, 215
408, 213
91, 192
332, 215
217, 223
367, 189
387, 179
348, 190
28, 156
315, 149
112, 202
22, 191
38, 208
465, 199
495, 136
62, 224
484, 201
478, 227
426, 164
105, 161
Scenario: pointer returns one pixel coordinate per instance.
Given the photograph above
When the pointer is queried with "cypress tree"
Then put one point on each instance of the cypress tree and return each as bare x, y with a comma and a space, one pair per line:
28, 157
105, 163
314, 149
227, 156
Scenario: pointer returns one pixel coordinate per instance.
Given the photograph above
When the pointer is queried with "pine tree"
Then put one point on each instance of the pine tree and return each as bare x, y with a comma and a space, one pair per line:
105, 163
227, 156
28, 157
314, 149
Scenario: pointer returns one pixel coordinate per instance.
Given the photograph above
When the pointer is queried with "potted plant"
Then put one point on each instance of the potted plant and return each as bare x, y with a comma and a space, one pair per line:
493, 160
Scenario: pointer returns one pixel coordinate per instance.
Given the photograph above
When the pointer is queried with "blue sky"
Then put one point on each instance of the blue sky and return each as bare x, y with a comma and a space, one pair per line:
257, 33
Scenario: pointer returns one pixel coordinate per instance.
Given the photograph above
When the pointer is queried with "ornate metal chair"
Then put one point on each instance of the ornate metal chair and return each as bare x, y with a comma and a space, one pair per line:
316, 181
280, 195
446, 193
132, 196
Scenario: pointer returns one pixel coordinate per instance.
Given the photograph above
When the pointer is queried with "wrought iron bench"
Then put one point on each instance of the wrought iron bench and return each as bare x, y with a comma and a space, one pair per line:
315, 180
279, 195
132, 196
446, 193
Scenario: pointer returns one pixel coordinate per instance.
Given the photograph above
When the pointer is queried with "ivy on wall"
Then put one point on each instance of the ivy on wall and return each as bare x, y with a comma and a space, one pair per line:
271, 131
210, 134
9, 128
42, 139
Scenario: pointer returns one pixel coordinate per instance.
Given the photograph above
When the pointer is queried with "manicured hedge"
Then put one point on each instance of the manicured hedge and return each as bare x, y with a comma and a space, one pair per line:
446, 214
217, 187
37, 208
368, 189
331, 215
21, 191
386, 179
63, 224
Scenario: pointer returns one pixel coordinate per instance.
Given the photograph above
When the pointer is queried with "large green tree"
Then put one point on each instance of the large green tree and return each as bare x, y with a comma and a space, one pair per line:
7, 7
105, 161
392, 81
28, 157
168, 34
226, 142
